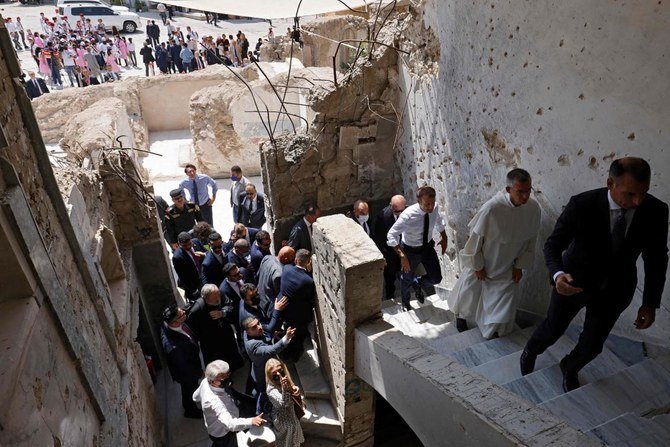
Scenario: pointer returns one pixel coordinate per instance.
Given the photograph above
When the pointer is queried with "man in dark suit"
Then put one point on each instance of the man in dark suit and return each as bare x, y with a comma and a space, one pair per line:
251, 211
383, 223
210, 318
298, 286
186, 263
361, 215
240, 231
301, 234
215, 259
269, 276
183, 356
260, 249
591, 257
35, 87
239, 256
250, 307
230, 290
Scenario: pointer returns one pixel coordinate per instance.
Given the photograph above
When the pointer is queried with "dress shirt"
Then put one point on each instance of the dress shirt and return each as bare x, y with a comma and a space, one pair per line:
235, 285
203, 193
409, 226
220, 411
237, 188
181, 330
615, 210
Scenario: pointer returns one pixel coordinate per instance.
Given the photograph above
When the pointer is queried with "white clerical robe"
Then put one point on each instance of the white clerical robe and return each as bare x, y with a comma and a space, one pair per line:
502, 236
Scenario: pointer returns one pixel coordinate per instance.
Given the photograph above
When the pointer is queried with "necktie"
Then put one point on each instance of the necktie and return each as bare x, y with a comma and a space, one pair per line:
424, 239
189, 333
619, 232
196, 198
251, 206
37, 84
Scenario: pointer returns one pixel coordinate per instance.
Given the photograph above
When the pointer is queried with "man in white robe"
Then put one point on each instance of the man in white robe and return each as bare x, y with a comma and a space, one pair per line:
501, 245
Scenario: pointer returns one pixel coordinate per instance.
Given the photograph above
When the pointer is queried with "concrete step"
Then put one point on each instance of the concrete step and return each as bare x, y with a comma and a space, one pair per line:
313, 383
423, 322
546, 381
493, 349
632, 430
320, 420
456, 341
637, 389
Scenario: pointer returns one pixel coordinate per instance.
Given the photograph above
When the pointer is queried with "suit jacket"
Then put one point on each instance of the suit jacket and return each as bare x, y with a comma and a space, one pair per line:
259, 352
383, 223
189, 275
230, 295
183, 355
257, 256
32, 91
581, 245
212, 269
269, 281
300, 236
298, 286
269, 320
256, 219
366, 226
217, 339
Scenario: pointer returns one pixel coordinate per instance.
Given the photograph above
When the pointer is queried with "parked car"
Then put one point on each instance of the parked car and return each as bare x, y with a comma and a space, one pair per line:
123, 20
93, 2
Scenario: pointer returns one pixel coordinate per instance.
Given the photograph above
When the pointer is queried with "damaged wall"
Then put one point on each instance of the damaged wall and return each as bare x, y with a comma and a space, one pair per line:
72, 372
559, 89
348, 152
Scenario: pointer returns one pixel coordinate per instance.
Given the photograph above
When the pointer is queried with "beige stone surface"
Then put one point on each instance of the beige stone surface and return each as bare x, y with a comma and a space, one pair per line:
322, 37
280, 49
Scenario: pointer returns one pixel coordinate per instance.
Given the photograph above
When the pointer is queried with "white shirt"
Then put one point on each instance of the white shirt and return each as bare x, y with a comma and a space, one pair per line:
19, 26
131, 46
68, 57
237, 189
10, 27
161, 7
410, 226
182, 331
220, 412
235, 286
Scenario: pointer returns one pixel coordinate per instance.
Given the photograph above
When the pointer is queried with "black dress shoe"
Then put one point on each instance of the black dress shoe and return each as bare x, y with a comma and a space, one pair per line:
461, 324
420, 296
570, 379
407, 307
527, 362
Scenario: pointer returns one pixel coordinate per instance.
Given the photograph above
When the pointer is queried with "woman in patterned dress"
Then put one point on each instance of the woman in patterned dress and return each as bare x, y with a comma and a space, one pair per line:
280, 388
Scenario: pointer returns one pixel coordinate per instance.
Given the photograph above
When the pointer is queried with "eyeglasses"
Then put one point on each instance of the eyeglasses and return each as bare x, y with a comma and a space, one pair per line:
217, 247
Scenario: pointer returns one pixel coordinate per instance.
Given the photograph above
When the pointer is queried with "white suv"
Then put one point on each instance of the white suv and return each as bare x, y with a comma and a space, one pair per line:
94, 3
123, 20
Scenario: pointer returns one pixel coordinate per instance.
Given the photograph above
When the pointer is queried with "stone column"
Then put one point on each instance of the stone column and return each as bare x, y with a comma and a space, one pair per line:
348, 276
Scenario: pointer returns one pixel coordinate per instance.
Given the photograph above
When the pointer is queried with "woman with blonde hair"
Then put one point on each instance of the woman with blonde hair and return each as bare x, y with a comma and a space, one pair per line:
281, 393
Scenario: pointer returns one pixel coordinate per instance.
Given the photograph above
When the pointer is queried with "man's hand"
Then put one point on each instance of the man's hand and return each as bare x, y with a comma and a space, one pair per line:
564, 287
280, 304
199, 254
210, 202
517, 274
404, 264
290, 332
257, 421
174, 246
443, 244
277, 335
481, 274
645, 317
216, 314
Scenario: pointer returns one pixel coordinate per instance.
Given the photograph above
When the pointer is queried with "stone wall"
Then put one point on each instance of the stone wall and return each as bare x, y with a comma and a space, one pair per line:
322, 37
347, 271
560, 89
72, 372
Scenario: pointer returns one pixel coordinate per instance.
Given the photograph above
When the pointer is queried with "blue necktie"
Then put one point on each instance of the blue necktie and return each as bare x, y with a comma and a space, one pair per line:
196, 198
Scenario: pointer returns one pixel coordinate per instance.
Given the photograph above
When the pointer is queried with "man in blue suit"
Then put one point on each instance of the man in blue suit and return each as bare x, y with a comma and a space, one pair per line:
186, 263
260, 249
251, 211
297, 284
239, 256
215, 259
250, 307
301, 234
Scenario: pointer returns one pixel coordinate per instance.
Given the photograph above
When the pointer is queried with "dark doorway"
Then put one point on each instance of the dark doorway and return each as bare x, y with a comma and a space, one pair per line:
391, 430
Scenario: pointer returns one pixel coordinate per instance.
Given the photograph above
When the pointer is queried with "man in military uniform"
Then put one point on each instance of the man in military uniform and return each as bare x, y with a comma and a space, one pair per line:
179, 217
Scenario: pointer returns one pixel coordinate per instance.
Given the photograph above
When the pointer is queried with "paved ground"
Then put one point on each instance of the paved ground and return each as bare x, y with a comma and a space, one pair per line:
253, 28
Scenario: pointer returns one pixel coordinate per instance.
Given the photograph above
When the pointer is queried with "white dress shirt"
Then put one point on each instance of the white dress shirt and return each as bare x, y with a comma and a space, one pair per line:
409, 226
220, 412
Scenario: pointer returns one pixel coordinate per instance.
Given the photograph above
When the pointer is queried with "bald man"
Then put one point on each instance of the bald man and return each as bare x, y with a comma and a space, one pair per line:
269, 276
361, 215
383, 223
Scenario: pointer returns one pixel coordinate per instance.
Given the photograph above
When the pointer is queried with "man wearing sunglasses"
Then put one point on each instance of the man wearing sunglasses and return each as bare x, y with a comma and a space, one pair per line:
215, 259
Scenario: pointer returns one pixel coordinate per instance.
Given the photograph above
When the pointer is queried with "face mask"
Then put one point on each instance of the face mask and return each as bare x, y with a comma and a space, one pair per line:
363, 218
234, 178
255, 300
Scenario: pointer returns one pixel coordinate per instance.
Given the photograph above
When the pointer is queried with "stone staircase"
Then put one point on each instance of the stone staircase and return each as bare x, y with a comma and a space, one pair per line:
320, 424
624, 399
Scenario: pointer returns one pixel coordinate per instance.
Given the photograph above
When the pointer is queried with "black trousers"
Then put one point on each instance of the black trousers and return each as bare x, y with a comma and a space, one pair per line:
187, 390
391, 270
603, 308
230, 440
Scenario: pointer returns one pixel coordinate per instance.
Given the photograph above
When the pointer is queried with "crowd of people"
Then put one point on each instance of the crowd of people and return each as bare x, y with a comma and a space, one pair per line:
84, 53
244, 303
